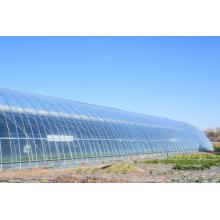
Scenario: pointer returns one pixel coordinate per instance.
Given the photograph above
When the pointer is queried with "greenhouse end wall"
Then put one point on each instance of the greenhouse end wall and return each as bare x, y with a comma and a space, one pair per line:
40, 131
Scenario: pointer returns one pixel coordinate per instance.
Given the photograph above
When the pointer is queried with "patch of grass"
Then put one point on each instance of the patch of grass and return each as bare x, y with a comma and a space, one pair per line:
190, 162
121, 168
80, 171
152, 162
94, 170
166, 161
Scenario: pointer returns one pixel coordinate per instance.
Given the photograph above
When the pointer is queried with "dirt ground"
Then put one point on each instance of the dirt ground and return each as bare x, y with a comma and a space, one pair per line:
159, 173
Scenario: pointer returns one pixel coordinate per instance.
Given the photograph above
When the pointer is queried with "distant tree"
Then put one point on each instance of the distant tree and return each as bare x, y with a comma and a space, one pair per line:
213, 134
218, 132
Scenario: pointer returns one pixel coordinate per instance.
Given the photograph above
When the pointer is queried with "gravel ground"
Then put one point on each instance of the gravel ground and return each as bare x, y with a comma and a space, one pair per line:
159, 173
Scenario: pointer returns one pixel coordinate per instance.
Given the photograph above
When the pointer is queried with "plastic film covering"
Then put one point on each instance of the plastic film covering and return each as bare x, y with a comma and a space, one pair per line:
38, 131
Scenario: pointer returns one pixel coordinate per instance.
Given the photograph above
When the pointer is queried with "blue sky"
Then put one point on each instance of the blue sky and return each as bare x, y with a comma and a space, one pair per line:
174, 77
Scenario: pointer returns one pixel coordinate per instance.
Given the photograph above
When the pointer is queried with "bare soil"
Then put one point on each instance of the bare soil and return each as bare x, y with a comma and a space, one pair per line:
159, 173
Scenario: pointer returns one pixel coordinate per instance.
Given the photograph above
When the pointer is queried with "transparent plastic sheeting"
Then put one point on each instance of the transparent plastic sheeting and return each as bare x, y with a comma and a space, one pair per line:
38, 131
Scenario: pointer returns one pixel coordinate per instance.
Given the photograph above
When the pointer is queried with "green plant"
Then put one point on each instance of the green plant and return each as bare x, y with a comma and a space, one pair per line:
190, 162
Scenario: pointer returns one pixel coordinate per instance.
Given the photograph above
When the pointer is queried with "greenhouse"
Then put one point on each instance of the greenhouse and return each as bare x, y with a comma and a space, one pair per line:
40, 131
